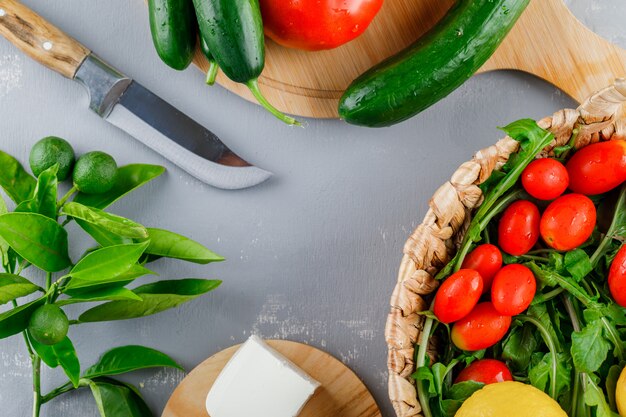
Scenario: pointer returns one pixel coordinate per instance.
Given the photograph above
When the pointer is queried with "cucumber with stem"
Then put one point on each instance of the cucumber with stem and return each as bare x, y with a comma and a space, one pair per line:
233, 33
174, 31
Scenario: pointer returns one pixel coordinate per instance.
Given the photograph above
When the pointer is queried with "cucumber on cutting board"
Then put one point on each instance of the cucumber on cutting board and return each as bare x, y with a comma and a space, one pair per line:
174, 31
432, 67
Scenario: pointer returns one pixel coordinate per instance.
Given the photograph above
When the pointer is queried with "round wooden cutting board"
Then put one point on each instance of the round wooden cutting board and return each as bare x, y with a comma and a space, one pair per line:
342, 393
547, 41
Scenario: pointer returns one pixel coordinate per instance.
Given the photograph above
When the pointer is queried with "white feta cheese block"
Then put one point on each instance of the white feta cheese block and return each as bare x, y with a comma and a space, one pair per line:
259, 381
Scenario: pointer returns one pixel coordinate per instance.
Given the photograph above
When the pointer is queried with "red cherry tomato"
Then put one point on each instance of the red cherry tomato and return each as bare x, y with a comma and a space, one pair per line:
317, 24
486, 260
483, 327
518, 230
458, 295
513, 289
487, 371
545, 178
597, 168
617, 277
568, 221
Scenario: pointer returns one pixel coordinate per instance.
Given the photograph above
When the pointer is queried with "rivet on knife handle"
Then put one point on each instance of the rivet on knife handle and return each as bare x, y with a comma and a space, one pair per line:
42, 41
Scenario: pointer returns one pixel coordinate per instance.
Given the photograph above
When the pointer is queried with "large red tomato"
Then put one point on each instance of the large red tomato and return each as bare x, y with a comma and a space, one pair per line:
513, 289
545, 178
518, 230
314, 25
486, 259
597, 168
568, 221
483, 327
458, 295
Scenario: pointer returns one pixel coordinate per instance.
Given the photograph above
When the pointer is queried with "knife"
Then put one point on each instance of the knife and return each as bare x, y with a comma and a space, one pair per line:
128, 105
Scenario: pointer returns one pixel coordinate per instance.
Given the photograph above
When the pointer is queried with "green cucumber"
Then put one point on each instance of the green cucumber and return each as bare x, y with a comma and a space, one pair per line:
211, 73
432, 67
233, 32
174, 31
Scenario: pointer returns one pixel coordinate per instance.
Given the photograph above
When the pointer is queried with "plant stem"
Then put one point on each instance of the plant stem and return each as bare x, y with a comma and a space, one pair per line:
66, 197
422, 395
253, 85
212, 72
579, 377
610, 234
551, 347
542, 298
36, 385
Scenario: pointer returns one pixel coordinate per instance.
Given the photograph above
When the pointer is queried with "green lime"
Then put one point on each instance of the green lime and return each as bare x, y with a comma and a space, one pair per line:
95, 173
49, 151
48, 324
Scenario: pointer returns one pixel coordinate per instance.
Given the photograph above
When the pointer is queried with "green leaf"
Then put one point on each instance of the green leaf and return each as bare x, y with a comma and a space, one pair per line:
595, 397
172, 245
16, 320
156, 297
62, 353
425, 374
540, 370
119, 281
611, 384
16, 182
519, 346
36, 238
577, 263
117, 400
129, 358
14, 286
463, 390
128, 178
105, 265
44, 200
4, 246
106, 221
101, 294
101, 236
589, 347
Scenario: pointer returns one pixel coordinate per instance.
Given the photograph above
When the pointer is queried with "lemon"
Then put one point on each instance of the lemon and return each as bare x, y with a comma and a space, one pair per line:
95, 173
620, 394
510, 399
48, 324
49, 151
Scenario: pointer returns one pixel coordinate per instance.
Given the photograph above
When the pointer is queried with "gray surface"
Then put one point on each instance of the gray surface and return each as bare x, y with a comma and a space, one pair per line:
312, 254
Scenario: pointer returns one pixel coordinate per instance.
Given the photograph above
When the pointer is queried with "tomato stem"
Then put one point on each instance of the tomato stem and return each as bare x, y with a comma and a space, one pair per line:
547, 338
253, 85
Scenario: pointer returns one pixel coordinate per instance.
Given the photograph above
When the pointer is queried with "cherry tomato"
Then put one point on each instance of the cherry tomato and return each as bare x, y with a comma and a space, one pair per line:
487, 371
568, 221
617, 277
518, 230
513, 289
483, 327
545, 178
597, 168
486, 260
458, 295
317, 24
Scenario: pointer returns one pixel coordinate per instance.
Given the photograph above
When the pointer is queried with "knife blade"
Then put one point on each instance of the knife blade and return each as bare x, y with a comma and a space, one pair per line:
128, 105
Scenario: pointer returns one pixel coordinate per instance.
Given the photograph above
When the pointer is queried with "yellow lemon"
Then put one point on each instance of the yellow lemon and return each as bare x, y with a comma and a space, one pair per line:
510, 399
620, 394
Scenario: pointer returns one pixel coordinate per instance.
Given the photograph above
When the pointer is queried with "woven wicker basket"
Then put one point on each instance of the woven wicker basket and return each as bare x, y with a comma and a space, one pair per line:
601, 117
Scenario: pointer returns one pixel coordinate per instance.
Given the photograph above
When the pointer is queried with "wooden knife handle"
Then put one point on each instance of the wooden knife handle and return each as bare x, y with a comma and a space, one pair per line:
39, 39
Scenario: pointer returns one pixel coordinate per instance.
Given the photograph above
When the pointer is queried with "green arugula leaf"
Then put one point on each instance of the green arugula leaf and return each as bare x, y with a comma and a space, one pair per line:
589, 347
105, 265
14, 286
156, 297
127, 359
14, 180
540, 370
101, 294
36, 238
16, 320
595, 397
457, 394
519, 346
117, 400
108, 222
62, 353
44, 200
129, 178
171, 245
577, 263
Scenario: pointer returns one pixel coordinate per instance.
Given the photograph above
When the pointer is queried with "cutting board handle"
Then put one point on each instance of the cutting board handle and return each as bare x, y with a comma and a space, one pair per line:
39, 39
549, 42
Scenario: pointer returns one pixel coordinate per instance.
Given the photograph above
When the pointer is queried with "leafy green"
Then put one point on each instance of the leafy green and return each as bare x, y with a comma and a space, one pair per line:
156, 297
171, 245
102, 236
107, 222
13, 287
577, 264
129, 178
590, 347
118, 281
62, 353
519, 346
100, 294
116, 400
44, 200
127, 359
594, 397
38, 239
14, 180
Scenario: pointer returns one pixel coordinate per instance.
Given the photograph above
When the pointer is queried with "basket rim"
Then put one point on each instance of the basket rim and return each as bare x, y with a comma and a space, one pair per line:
433, 243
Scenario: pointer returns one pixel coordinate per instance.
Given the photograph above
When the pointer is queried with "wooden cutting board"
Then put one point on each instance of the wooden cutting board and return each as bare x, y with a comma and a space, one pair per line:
547, 41
342, 393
